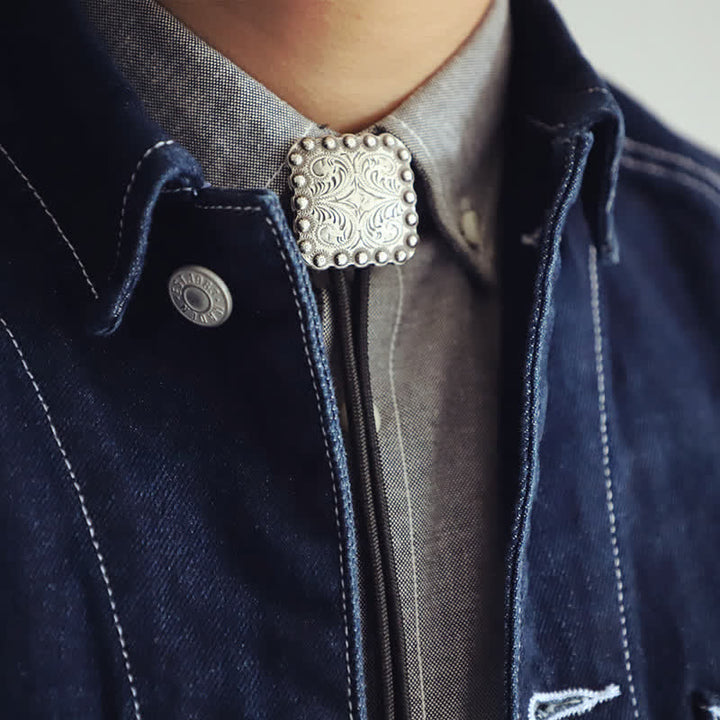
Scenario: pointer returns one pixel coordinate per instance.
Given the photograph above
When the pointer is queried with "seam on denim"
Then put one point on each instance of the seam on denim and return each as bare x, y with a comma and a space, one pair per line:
610, 202
86, 517
681, 161
597, 88
329, 459
585, 701
401, 444
55, 223
606, 468
328, 454
678, 175
128, 189
311, 124
544, 125
236, 208
179, 190
606, 243
531, 367
559, 126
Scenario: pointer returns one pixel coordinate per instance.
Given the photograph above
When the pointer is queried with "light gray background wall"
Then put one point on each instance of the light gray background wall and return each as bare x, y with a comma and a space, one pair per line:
666, 54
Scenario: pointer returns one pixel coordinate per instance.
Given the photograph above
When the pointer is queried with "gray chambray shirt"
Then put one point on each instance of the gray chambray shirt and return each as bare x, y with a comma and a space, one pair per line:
433, 324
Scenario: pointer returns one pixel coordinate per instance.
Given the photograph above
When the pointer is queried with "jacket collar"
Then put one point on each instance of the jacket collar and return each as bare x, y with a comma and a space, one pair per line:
80, 135
555, 92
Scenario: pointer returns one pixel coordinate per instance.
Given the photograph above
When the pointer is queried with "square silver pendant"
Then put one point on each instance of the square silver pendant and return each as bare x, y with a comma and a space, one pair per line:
354, 200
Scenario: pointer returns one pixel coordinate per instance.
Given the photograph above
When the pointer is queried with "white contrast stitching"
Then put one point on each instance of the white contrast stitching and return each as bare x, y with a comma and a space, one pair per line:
598, 89
680, 176
559, 126
88, 521
544, 125
571, 702
236, 208
126, 196
687, 163
328, 454
170, 191
607, 472
53, 220
401, 444
614, 171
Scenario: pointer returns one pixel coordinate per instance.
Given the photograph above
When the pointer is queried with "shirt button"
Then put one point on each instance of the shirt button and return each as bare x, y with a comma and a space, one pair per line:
200, 295
470, 224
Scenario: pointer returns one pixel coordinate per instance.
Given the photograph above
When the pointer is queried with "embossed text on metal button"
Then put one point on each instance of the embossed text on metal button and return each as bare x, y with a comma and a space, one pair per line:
353, 199
200, 295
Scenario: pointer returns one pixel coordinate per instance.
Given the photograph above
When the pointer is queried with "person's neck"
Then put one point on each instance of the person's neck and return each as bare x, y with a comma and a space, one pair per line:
341, 63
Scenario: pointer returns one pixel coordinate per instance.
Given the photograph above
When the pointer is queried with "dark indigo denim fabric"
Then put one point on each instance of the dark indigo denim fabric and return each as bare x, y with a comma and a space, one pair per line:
176, 519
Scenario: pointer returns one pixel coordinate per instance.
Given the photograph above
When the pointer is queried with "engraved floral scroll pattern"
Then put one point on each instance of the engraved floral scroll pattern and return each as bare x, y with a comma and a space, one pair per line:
357, 197
354, 201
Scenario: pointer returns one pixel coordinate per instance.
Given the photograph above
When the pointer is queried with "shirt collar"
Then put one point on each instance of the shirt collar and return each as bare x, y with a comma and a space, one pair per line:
79, 133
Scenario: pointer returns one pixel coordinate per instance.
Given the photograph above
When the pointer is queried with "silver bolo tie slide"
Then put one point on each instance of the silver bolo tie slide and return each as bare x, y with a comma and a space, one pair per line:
353, 200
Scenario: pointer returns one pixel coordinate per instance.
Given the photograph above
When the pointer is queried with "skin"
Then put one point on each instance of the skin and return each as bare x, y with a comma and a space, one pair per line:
343, 63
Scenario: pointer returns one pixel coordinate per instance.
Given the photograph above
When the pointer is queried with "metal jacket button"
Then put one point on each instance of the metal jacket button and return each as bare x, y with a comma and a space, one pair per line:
200, 295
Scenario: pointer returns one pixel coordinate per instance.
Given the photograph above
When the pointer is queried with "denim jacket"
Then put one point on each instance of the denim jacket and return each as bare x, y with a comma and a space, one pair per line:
178, 527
